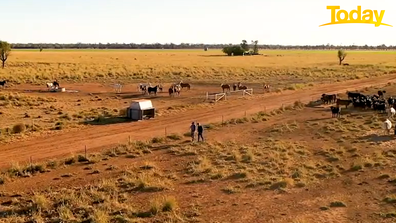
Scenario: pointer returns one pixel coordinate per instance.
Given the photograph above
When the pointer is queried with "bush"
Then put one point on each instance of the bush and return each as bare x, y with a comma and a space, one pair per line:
18, 128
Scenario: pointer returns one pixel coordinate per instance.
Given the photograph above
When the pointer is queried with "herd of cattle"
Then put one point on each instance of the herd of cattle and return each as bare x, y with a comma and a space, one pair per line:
359, 100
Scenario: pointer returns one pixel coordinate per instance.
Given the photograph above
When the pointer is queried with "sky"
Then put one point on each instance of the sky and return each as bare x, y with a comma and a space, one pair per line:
285, 22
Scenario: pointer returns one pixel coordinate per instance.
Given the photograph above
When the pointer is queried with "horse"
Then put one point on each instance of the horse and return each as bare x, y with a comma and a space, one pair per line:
234, 87
266, 87
55, 84
241, 87
170, 91
50, 85
225, 86
143, 87
177, 88
185, 85
152, 89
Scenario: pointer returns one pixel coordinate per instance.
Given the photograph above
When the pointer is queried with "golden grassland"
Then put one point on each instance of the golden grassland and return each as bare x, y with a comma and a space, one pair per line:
97, 65
290, 155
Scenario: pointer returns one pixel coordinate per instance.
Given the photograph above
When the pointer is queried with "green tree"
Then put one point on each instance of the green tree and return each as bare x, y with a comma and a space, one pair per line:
235, 50
255, 47
341, 55
5, 50
245, 45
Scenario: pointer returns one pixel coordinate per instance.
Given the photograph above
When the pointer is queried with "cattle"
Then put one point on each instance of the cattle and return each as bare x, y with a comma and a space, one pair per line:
391, 101
360, 104
335, 112
354, 94
343, 102
329, 98
381, 93
379, 106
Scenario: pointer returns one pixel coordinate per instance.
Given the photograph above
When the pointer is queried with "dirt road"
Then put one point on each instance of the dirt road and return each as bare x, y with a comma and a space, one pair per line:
98, 137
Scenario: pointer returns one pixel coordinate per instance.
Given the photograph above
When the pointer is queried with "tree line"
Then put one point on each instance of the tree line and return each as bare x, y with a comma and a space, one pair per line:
188, 46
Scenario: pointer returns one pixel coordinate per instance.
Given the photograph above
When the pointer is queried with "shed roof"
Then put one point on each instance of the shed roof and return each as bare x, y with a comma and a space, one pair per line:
142, 104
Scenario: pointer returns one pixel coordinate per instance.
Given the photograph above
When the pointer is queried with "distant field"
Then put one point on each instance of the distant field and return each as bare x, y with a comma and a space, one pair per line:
216, 51
291, 67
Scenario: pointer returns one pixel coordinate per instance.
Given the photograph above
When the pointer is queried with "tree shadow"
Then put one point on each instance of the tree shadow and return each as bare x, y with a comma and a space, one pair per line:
214, 56
108, 121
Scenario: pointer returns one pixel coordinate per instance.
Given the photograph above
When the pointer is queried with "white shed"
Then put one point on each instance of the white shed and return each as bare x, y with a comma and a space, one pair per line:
141, 109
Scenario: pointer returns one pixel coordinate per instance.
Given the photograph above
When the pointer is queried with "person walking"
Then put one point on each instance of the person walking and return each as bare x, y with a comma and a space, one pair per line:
192, 128
200, 132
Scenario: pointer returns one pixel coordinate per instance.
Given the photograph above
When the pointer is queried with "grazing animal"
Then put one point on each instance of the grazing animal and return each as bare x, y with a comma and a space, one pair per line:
343, 102
49, 85
381, 94
2, 83
335, 112
387, 125
392, 112
55, 84
234, 87
117, 88
225, 86
329, 98
143, 87
184, 85
354, 94
266, 87
241, 87
379, 106
391, 101
170, 91
152, 90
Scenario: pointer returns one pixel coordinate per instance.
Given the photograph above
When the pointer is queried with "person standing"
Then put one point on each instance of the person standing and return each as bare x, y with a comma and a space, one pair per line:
200, 132
192, 128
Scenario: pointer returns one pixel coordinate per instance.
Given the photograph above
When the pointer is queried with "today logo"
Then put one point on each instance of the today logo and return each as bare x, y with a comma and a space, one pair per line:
368, 16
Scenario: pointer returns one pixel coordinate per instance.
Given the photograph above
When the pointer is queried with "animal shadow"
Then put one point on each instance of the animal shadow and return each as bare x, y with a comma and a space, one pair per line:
377, 138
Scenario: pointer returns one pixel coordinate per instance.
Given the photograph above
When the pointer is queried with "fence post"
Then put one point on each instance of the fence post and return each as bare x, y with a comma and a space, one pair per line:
129, 139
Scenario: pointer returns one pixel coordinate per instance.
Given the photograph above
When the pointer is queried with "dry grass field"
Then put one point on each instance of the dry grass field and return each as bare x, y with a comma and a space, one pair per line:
269, 157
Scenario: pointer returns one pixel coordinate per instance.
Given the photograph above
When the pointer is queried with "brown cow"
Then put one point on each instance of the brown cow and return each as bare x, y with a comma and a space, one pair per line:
343, 102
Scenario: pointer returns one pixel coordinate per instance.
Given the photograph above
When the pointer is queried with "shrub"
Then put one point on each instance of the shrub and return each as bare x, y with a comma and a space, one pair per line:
19, 128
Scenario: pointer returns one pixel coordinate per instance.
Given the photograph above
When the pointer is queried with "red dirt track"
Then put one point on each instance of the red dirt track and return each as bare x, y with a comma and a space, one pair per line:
98, 137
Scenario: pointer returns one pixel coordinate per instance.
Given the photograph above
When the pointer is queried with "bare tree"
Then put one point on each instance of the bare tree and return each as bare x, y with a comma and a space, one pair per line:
5, 49
341, 55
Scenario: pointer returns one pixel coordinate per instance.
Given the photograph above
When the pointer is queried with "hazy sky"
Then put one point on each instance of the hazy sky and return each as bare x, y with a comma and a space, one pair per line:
201, 21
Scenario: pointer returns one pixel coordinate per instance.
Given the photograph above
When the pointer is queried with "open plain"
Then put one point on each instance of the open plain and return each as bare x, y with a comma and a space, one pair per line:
275, 156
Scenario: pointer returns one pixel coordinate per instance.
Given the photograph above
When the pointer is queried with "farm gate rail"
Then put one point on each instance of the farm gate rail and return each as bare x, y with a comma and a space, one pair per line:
244, 92
215, 96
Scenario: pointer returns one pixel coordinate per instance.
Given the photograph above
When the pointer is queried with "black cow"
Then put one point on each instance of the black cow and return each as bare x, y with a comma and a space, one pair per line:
335, 112
379, 106
381, 93
354, 94
391, 101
